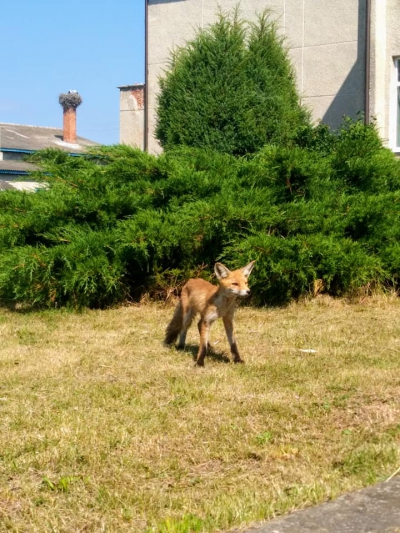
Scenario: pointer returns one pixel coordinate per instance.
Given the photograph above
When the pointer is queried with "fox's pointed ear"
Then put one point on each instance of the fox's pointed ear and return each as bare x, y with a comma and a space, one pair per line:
221, 271
247, 269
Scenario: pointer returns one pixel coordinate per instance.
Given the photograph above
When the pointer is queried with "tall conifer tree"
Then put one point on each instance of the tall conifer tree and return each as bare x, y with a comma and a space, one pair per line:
231, 89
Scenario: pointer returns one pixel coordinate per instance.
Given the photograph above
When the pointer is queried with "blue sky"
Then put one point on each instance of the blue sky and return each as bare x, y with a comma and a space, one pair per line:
49, 47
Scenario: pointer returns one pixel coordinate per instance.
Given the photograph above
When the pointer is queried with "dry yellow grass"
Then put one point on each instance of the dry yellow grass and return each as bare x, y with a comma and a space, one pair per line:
104, 429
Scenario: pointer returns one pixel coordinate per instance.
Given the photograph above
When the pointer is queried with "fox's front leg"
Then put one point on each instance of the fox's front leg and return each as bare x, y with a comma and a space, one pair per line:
204, 329
228, 323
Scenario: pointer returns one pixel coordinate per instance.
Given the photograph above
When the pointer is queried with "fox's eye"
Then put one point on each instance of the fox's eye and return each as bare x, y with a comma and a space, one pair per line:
234, 283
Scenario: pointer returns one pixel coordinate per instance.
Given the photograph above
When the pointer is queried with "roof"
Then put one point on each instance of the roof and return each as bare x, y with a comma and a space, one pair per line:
5, 186
16, 167
18, 137
27, 186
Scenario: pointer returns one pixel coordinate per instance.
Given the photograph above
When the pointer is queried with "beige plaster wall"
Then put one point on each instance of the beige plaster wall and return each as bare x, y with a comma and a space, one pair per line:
326, 40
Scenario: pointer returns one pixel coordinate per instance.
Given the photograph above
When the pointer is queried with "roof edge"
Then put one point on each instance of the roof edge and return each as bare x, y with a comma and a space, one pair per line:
132, 86
29, 126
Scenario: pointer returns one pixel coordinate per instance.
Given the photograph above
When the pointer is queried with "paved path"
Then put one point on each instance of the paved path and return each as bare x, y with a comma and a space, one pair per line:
372, 510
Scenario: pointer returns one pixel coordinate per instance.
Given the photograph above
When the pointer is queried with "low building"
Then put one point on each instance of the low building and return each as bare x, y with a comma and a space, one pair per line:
18, 141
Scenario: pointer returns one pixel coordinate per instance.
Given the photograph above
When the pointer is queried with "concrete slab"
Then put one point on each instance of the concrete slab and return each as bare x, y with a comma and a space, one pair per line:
375, 509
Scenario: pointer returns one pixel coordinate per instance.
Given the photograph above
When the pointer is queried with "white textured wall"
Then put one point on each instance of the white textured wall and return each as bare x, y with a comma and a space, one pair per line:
385, 46
393, 43
326, 40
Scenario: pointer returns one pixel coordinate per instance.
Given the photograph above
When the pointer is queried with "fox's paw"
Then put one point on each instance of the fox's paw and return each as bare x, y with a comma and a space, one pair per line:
238, 360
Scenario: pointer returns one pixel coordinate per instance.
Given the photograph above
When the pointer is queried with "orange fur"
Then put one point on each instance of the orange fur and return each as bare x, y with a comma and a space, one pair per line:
211, 302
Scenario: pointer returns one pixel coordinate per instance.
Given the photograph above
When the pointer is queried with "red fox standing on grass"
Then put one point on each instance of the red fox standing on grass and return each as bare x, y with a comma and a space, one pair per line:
212, 302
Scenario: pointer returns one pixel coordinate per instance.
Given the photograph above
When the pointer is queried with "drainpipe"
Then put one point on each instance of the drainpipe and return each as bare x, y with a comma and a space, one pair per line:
367, 60
146, 77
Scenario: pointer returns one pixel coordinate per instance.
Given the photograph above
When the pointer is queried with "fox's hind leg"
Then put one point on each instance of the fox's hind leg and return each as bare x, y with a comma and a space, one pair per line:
204, 330
199, 328
188, 315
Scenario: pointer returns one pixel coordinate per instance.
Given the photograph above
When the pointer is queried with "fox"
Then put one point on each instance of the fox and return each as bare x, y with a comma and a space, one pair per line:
211, 302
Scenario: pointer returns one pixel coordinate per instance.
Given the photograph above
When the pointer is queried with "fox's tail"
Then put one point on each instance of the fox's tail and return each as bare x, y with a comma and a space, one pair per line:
175, 326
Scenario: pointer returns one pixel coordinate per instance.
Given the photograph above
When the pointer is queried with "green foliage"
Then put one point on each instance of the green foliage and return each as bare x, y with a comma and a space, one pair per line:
118, 222
83, 271
231, 89
287, 268
362, 161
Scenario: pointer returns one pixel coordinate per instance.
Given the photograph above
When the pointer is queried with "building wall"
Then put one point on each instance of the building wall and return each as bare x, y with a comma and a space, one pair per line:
385, 47
132, 115
326, 43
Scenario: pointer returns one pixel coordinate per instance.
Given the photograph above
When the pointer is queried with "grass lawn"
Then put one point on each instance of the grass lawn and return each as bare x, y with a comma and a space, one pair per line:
103, 429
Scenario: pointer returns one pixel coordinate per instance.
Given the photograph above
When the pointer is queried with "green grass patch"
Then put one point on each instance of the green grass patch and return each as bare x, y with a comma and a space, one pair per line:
102, 428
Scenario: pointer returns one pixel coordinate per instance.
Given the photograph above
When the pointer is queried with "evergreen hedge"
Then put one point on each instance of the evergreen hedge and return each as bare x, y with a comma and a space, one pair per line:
118, 222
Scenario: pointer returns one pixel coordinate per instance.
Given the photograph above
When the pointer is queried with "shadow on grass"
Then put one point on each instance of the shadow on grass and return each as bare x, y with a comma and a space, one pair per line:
212, 353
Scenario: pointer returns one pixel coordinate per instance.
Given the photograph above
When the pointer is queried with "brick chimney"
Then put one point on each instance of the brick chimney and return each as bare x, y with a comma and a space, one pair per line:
69, 125
69, 101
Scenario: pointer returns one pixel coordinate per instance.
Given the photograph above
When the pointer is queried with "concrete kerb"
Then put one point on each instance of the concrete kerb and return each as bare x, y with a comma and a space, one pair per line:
375, 509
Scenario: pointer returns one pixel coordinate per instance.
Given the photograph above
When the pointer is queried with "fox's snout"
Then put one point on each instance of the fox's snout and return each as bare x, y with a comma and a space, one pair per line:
241, 292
